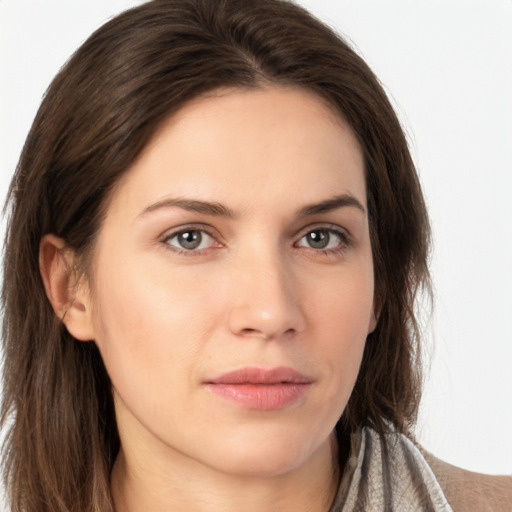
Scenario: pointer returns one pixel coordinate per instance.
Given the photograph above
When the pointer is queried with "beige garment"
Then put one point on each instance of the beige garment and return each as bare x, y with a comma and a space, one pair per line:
388, 474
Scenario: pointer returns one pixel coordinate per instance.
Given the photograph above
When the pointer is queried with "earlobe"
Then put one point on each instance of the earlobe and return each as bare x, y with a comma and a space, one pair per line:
374, 319
372, 324
67, 292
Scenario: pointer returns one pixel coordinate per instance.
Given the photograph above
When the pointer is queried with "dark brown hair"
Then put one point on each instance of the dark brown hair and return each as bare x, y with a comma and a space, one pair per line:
98, 114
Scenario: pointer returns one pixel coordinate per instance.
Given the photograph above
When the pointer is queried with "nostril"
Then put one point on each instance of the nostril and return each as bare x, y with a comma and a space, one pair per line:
255, 333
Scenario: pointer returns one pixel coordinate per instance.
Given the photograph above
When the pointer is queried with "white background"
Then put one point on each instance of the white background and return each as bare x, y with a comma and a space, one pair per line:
447, 65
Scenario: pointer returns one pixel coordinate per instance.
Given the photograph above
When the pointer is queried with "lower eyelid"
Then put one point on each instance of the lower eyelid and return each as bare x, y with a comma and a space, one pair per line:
169, 236
344, 240
344, 237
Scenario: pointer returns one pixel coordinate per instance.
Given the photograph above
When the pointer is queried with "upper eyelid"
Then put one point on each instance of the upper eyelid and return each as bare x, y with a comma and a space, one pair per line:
169, 233
324, 225
344, 237
212, 232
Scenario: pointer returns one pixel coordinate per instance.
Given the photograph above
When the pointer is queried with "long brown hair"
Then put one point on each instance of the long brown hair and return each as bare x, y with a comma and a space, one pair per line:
98, 114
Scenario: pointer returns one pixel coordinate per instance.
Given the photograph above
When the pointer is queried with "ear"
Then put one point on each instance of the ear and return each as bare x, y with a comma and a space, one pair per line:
373, 323
374, 318
68, 293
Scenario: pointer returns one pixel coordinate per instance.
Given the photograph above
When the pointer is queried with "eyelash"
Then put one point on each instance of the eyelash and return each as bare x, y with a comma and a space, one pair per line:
345, 240
182, 231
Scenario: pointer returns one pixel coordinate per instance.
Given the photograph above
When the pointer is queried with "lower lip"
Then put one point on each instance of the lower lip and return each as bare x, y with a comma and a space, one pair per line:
263, 397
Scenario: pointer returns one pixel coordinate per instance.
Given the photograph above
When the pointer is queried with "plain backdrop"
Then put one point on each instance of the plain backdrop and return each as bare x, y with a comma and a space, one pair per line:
447, 66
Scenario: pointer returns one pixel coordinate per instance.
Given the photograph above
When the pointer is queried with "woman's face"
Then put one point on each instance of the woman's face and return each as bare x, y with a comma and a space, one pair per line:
232, 283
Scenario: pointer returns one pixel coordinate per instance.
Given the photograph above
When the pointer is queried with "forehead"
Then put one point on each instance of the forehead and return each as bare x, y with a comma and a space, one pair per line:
249, 146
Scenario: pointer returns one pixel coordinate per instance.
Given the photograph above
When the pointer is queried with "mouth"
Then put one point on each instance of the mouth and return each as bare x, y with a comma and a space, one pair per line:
260, 389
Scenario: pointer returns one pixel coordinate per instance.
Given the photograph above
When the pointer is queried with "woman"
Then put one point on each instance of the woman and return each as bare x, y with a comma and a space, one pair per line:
215, 243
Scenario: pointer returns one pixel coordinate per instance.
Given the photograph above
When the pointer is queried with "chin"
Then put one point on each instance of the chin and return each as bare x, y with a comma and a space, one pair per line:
267, 455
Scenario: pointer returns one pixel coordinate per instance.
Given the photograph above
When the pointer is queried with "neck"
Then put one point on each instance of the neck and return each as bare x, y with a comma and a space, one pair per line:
180, 484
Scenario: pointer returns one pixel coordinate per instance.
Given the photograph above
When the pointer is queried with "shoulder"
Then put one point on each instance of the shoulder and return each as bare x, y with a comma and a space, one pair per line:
471, 492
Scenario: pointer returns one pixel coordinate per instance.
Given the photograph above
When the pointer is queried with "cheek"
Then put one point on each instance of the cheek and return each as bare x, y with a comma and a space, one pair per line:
147, 327
135, 295
343, 303
341, 313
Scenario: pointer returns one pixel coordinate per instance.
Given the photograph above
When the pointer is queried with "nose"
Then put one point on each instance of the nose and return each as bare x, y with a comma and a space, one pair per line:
265, 300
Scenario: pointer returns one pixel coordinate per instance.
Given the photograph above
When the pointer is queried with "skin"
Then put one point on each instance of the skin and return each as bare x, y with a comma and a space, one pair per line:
256, 292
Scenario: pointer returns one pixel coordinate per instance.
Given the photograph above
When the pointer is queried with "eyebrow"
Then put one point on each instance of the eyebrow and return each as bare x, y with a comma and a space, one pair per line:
192, 205
219, 210
329, 205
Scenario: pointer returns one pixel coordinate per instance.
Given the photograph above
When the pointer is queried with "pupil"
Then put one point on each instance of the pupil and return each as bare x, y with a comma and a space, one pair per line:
318, 239
190, 239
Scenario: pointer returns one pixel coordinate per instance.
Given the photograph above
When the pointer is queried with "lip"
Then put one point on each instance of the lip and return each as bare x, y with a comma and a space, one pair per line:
261, 389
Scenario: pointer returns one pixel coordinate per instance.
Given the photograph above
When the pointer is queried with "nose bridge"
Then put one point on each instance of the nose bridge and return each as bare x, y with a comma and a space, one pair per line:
265, 302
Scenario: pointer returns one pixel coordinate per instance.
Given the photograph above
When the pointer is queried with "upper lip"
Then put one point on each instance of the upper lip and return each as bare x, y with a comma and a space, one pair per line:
253, 375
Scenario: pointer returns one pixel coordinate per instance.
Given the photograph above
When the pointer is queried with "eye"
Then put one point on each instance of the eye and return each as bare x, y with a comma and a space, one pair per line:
323, 239
190, 240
